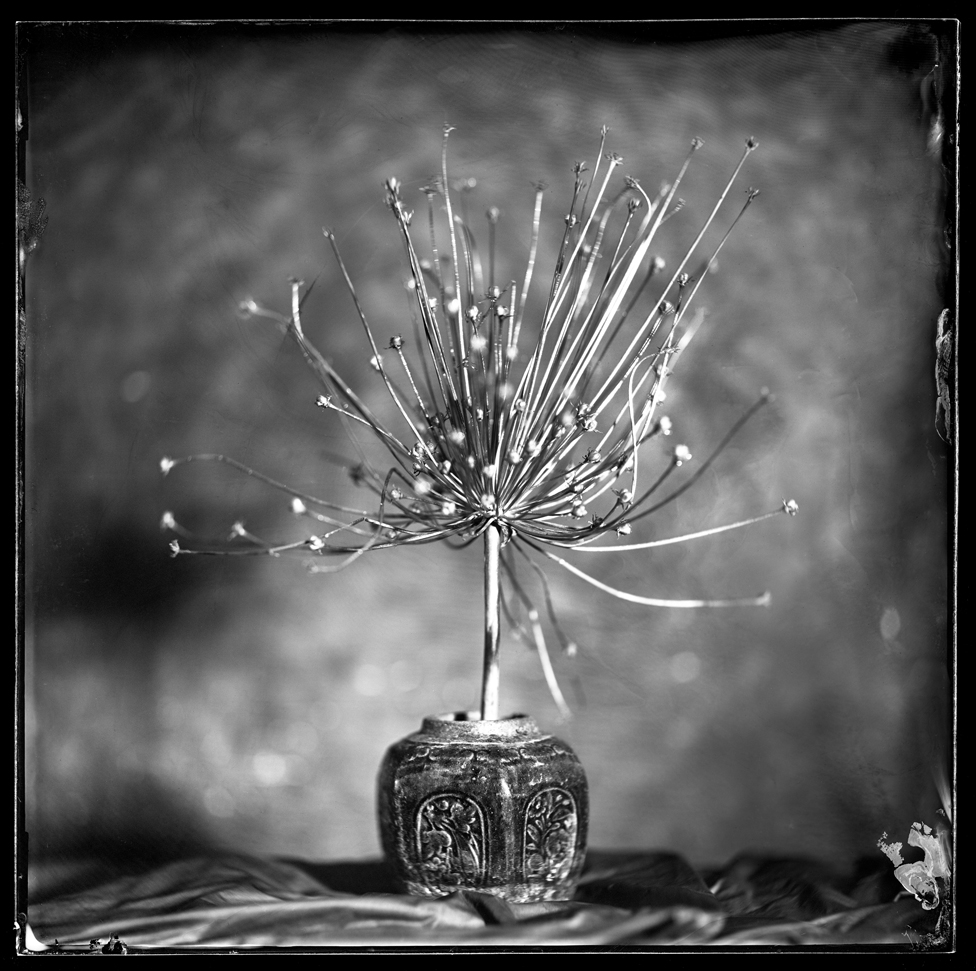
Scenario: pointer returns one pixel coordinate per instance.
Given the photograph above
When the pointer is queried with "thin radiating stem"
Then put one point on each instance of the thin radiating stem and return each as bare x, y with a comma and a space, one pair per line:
538, 638
761, 601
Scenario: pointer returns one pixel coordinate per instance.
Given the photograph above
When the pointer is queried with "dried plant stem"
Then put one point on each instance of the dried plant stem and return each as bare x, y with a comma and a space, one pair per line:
489, 679
509, 441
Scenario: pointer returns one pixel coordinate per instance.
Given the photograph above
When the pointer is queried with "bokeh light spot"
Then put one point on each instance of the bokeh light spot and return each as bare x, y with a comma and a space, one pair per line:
269, 768
890, 623
302, 737
685, 667
218, 802
405, 675
135, 386
369, 680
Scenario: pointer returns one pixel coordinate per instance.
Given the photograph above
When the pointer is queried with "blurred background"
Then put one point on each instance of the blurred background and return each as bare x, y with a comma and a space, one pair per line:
175, 706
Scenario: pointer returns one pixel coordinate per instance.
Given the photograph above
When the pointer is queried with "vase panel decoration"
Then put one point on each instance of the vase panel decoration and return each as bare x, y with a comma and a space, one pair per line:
451, 840
548, 845
494, 806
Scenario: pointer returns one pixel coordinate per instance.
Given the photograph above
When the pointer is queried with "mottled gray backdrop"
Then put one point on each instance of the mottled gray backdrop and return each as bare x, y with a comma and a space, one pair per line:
178, 705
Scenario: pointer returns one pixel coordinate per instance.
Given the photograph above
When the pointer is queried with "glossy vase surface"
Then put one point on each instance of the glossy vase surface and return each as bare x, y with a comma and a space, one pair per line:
495, 806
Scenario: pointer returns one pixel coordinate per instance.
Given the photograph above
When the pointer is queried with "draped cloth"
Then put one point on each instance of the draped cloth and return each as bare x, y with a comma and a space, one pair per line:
625, 899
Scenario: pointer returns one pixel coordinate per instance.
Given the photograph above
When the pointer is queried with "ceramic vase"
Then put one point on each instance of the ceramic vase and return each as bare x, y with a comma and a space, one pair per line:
495, 806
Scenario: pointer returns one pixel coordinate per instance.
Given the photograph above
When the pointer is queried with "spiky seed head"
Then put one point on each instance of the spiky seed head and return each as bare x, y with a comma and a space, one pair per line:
544, 425
393, 193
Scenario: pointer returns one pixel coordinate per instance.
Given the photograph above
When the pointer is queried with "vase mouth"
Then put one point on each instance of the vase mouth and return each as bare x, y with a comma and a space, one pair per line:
471, 724
475, 716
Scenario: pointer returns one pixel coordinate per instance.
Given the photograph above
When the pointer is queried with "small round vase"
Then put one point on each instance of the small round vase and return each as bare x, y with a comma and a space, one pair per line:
495, 806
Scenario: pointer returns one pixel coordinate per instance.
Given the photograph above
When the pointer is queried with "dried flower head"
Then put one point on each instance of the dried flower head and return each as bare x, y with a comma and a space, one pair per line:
515, 429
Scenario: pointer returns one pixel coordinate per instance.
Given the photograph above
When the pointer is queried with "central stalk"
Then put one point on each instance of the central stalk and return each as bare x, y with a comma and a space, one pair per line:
489, 677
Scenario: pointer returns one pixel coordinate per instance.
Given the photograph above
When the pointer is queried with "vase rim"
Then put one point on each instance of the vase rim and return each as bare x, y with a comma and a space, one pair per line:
470, 723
